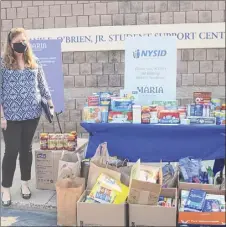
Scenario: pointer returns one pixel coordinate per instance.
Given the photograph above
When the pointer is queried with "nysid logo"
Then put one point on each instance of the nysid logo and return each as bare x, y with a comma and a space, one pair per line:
149, 53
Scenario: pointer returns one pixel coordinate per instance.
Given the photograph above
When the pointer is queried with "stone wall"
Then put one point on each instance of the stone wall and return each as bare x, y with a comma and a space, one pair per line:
87, 72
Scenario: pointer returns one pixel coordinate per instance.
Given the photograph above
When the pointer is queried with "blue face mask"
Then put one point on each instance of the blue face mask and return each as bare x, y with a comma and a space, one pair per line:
20, 47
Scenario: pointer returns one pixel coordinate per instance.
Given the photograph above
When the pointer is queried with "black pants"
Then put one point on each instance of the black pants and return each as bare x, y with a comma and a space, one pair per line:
18, 139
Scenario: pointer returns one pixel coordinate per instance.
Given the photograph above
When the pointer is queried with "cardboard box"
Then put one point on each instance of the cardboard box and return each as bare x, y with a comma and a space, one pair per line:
96, 214
201, 218
188, 186
143, 192
147, 215
47, 163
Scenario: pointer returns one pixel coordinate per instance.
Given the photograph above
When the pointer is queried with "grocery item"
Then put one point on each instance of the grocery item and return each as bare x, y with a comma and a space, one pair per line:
105, 98
131, 95
71, 146
52, 141
44, 141
59, 141
215, 104
136, 114
151, 174
121, 104
120, 117
94, 100
76, 137
108, 190
211, 205
145, 115
92, 114
185, 121
104, 116
202, 97
65, 141
190, 169
195, 201
191, 109
169, 117
202, 120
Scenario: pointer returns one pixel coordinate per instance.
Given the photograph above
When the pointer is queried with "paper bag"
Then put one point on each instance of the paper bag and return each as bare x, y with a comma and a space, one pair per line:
68, 193
125, 174
95, 171
69, 165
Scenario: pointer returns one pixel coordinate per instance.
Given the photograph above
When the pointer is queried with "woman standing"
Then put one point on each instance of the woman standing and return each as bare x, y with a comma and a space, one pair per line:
23, 85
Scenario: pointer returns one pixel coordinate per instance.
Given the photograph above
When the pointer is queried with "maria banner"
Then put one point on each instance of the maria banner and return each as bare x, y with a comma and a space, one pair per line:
151, 68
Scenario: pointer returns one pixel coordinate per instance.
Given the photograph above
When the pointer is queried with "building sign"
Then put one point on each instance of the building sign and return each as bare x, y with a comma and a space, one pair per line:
200, 35
151, 68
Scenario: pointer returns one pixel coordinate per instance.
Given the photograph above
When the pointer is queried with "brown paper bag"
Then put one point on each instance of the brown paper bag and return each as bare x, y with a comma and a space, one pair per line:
69, 165
68, 193
95, 171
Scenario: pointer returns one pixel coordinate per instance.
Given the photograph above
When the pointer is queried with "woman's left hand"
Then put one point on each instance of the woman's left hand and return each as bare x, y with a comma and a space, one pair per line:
52, 111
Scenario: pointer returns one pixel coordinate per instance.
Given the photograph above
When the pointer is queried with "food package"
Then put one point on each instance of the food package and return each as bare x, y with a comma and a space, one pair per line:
107, 190
120, 117
93, 100
105, 98
149, 174
121, 104
92, 114
132, 95
184, 196
145, 115
169, 117
202, 97
195, 201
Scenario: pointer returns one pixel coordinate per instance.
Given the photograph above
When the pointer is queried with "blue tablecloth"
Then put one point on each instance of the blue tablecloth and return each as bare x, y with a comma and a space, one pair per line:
152, 143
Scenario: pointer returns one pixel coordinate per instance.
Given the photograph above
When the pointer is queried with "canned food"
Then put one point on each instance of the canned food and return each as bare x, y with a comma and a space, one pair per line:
71, 143
44, 141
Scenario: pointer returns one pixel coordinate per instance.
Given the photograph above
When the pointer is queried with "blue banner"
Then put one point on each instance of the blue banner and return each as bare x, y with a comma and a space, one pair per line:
49, 54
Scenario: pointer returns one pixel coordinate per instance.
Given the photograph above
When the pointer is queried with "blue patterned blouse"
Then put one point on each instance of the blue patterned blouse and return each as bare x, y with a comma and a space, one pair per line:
21, 92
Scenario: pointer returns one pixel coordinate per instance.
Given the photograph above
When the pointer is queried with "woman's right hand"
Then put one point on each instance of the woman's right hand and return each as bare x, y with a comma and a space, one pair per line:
3, 123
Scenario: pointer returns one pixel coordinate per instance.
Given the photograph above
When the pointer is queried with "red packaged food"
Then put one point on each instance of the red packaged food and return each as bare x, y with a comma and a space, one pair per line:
202, 97
94, 100
169, 117
145, 115
120, 117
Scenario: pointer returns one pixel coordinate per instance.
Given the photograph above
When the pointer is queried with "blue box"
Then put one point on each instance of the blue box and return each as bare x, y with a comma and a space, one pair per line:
121, 104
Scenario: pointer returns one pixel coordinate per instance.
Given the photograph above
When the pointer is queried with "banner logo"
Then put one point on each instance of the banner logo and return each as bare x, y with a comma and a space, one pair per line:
149, 53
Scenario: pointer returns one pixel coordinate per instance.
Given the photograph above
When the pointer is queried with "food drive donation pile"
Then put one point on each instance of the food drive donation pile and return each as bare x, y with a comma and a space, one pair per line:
115, 193
105, 107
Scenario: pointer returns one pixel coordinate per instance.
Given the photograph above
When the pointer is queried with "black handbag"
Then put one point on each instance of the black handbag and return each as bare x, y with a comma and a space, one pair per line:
46, 110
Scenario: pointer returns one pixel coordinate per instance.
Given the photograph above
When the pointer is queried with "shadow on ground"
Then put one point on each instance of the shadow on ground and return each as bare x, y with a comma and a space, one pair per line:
13, 217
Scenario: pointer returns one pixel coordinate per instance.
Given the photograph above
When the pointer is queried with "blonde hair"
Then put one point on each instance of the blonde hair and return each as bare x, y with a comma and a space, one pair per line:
9, 57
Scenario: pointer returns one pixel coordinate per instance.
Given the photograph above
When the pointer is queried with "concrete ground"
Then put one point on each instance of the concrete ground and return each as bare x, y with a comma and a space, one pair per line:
15, 217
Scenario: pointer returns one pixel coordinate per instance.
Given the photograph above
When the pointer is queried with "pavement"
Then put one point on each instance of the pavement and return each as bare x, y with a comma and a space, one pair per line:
15, 217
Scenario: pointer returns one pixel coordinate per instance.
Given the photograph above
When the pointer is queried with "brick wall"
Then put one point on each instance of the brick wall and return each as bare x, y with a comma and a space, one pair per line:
87, 72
